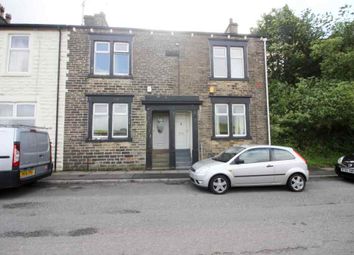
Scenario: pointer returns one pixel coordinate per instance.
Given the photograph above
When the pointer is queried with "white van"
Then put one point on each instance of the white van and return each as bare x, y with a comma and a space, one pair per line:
25, 155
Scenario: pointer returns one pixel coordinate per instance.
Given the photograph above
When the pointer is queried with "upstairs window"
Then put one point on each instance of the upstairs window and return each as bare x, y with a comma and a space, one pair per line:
102, 58
121, 58
111, 55
228, 59
18, 57
18, 113
220, 62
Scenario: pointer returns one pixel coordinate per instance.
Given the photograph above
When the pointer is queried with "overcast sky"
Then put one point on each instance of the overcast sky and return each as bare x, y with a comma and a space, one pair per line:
172, 15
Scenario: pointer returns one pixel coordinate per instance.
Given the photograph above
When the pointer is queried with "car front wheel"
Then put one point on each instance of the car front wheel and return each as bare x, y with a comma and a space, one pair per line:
219, 184
297, 182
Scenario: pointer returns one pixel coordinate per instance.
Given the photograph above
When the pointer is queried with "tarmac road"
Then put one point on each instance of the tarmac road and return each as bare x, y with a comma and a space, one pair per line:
177, 218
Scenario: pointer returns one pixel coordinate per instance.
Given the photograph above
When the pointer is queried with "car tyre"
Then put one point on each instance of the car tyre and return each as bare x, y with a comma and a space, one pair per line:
296, 182
219, 184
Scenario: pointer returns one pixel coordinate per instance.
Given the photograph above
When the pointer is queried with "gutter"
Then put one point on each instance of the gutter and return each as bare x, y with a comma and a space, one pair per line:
57, 104
266, 84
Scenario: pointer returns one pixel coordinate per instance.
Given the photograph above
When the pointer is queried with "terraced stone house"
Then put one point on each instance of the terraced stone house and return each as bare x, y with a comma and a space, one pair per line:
144, 99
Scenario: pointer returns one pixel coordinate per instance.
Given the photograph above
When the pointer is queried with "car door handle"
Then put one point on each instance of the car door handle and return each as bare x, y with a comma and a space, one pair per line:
41, 155
269, 165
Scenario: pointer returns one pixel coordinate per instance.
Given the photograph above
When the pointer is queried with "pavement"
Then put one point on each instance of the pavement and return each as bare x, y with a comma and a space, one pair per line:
144, 176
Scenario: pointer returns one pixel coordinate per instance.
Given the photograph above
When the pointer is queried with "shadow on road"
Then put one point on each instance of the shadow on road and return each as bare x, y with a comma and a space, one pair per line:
22, 190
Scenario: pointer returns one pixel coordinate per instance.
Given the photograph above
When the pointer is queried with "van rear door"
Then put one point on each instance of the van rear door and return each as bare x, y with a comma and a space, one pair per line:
29, 156
43, 147
6, 148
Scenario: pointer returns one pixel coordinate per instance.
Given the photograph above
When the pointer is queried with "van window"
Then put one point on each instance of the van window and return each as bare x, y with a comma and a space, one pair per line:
28, 142
42, 142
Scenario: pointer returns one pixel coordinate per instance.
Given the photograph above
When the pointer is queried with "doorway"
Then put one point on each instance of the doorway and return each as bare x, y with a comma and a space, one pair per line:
160, 140
183, 139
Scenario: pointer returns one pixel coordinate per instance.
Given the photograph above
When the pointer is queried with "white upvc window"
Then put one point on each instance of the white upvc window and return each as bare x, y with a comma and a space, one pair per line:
100, 121
221, 120
18, 114
120, 121
239, 120
220, 62
19, 53
121, 58
102, 58
237, 63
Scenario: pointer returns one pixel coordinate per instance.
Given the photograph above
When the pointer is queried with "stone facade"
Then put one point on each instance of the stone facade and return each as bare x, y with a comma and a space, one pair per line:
184, 74
38, 86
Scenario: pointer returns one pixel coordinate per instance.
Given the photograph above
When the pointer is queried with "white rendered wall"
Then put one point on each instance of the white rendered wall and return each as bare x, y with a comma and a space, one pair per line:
39, 85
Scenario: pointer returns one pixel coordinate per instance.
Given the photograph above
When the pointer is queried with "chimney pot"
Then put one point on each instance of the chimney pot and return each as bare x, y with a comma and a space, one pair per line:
8, 17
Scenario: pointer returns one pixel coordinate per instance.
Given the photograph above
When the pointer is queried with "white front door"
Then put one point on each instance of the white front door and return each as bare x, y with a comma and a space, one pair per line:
160, 131
183, 130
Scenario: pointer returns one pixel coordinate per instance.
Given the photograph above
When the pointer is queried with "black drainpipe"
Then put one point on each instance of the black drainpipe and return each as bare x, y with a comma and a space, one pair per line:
57, 110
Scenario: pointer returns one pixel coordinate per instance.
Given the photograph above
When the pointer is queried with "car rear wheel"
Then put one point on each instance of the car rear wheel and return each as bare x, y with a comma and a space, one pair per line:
219, 184
297, 182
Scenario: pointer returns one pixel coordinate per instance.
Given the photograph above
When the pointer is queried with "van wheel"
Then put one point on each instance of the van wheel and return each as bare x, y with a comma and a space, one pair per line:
296, 182
219, 184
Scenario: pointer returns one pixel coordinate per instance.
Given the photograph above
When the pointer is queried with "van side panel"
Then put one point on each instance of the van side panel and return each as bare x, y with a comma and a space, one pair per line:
6, 148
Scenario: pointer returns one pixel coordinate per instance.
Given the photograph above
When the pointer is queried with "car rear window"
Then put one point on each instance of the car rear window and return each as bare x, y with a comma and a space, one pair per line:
279, 154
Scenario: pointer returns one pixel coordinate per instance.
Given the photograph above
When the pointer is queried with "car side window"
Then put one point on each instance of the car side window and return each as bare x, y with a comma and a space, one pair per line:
279, 154
255, 156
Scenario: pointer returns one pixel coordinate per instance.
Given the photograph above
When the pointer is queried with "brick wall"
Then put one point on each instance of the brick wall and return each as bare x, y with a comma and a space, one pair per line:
151, 67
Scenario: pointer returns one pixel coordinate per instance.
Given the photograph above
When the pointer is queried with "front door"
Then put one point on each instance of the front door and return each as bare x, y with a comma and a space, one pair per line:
183, 133
160, 131
183, 140
160, 140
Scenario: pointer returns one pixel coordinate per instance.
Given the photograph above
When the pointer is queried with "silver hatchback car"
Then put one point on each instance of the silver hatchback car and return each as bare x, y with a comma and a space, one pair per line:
251, 165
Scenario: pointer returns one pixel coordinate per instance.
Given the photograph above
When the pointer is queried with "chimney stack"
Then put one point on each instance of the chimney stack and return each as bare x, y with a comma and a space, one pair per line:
8, 18
4, 19
2, 11
96, 20
232, 28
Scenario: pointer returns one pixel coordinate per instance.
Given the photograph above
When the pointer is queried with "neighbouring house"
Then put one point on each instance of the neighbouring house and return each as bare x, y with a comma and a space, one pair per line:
33, 60
145, 99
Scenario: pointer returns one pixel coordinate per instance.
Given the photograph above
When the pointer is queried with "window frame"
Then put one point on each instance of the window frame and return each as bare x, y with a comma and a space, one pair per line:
222, 114
10, 49
238, 114
229, 44
99, 114
120, 114
230, 101
14, 112
109, 100
120, 53
104, 52
111, 40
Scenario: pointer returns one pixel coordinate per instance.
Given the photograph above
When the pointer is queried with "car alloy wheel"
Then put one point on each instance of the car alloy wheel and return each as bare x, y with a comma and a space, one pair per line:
296, 182
219, 184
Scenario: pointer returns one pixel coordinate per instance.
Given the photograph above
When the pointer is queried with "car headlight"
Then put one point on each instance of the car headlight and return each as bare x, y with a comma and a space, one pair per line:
340, 160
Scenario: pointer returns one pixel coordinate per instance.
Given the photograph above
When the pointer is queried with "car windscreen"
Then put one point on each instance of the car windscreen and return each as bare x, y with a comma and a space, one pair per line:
228, 154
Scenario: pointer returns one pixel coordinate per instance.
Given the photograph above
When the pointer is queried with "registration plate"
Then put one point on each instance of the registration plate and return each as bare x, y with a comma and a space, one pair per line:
348, 170
27, 173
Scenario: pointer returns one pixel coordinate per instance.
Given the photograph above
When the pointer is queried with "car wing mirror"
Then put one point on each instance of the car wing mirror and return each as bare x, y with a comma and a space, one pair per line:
239, 161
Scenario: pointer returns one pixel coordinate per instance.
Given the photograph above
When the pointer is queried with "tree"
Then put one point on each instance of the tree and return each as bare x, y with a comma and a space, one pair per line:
290, 39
